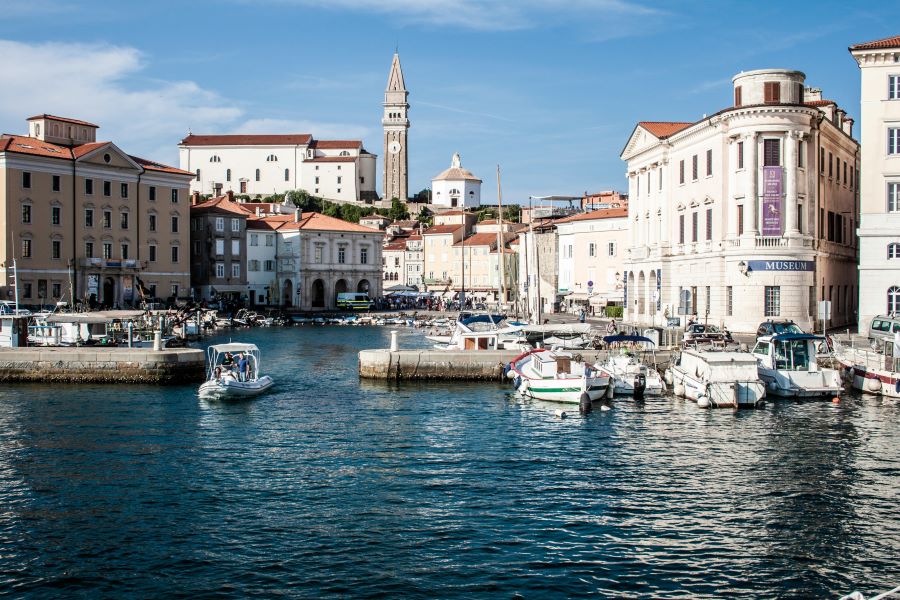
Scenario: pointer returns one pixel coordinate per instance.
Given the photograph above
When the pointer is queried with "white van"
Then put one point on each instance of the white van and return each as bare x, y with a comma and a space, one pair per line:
883, 327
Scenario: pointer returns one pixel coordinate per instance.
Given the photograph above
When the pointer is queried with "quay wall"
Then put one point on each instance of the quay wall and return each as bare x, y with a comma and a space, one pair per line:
483, 365
102, 365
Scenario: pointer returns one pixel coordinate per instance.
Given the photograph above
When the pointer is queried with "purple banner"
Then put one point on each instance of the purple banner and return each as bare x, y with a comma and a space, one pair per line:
771, 205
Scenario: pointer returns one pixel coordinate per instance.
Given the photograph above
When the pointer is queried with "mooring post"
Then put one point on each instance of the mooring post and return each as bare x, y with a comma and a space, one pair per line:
395, 344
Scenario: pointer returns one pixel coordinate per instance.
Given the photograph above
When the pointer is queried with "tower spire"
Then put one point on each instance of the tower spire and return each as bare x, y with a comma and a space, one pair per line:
396, 124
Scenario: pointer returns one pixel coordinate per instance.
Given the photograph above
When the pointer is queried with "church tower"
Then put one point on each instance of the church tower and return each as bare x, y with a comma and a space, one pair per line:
396, 126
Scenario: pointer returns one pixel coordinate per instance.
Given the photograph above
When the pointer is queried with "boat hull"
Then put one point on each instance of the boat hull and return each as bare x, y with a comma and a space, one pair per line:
819, 384
567, 391
231, 390
739, 394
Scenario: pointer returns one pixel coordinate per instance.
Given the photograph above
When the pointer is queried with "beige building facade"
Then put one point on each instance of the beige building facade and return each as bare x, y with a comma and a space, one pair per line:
86, 222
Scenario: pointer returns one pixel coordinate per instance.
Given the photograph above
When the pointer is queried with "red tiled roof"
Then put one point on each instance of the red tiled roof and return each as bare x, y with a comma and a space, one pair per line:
260, 223
890, 42
395, 246
603, 213
22, 144
220, 204
484, 239
64, 119
331, 159
438, 229
155, 166
335, 144
290, 139
663, 129
819, 102
79, 151
414, 237
317, 222
251, 207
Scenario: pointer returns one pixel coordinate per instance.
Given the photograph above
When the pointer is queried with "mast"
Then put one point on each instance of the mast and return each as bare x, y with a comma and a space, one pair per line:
501, 256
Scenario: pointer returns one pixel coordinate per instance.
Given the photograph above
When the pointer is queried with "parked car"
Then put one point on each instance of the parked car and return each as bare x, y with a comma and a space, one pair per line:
775, 327
884, 327
701, 333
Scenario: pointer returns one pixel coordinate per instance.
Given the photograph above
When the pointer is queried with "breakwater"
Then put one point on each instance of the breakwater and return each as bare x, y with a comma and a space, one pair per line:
102, 365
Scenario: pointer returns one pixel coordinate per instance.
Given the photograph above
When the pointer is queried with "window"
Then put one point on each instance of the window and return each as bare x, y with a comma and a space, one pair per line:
893, 87
363, 256
124, 190
26, 179
339, 190
174, 196
107, 219
800, 217
254, 239
174, 254
893, 299
235, 269
152, 193
26, 213
893, 196
220, 270
894, 140
235, 247
151, 222
729, 301
220, 247
680, 229
89, 217
771, 153
174, 224
287, 174
88, 187
708, 163
339, 179
55, 249
174, 290
822, 161
660, 177
740, 219
681, 172
611, 249
822, 223
227, 174
55, 215
342, 255
55, 183
695, 226
800, 153
893, 250
236, 225
695, 161
107, 188
709, 223
740, 153
270, 239
55, 290
317, 180
124, 220
220, 223
257, 175
215, 158
269, 265
26, 248
198, 247
737, 96
772, 92
317, 254
152, 253
124, 251
591, 249
89, 249
27, 288
198, 174
772, 301
107, 250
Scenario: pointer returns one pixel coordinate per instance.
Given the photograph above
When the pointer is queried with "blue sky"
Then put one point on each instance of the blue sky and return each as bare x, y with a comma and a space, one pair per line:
547, 89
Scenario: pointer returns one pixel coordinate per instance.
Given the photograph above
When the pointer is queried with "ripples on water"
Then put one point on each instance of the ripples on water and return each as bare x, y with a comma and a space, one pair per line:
336, 487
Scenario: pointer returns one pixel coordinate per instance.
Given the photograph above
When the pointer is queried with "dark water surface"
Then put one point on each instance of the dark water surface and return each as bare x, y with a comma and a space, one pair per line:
333, 487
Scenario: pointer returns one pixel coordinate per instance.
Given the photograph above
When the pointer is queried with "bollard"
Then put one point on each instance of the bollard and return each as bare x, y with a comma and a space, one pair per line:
157, 340
395, 344
130, 334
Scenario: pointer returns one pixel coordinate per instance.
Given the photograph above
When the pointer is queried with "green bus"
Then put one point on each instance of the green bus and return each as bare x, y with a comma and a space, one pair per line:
354, 301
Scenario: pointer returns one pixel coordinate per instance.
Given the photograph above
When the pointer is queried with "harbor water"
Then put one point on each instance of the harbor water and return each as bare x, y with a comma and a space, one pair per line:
333, 487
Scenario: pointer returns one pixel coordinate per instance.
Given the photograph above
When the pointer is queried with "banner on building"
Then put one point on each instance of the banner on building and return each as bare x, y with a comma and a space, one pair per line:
659, 289
93, 285
771, 206
127, 288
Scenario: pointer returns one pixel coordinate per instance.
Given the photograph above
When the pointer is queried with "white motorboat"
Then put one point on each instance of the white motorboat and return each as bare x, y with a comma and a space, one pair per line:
568, 336
787, 365
628, 373
557, 376
873, 371
224, 382
482, 332
715, 378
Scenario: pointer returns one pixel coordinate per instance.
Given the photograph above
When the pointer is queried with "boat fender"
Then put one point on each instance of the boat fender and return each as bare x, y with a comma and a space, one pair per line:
668, 378
873, 386
703, 402
679, 389
611, 390
517, 382
835, 400
897, 386
605, 407
506, 369
584, 403
772, 386
640, 384
560, 414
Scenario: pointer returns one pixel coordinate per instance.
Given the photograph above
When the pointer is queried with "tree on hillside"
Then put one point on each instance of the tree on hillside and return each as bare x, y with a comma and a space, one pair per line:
423, 196
513, 213
399, 211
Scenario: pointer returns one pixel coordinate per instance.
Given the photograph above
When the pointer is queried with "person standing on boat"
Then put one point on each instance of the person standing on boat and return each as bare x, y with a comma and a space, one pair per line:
243, 367
228, 362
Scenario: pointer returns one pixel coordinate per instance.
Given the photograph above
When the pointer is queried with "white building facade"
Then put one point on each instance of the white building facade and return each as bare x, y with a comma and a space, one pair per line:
262, 165
746, 215
262, 281
879, 226
456, 187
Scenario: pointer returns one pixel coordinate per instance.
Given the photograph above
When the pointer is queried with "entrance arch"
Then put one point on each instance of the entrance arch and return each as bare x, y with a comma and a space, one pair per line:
641, 293
287, 294
109, 292
340, 288
318, 294
363, 286
651, 293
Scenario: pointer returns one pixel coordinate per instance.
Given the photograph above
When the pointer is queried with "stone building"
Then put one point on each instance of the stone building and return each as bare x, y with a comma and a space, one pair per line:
218, 249
87, 222
455, 187
538, 269
747, 214
879, 225
396, 135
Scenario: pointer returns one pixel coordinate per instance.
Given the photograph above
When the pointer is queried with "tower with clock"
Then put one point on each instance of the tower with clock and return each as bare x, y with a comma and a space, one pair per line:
396, 125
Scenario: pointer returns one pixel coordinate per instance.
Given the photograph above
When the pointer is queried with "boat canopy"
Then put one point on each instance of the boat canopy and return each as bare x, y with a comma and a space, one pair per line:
100, 316
564, 328
234, 347
792, 337
613, 339
484, 318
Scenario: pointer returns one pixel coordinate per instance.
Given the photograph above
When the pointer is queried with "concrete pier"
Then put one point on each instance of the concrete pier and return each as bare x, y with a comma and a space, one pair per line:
458, 365
94, 364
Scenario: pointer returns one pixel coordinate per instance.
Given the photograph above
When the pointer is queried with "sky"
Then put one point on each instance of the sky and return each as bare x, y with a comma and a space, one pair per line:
549, 90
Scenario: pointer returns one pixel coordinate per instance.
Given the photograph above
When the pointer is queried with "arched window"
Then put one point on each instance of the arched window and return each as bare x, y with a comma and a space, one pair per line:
227, 174
271, 158
37, 130
287, 174
893, 299
215, 158
894, 250
257, 174
198, 174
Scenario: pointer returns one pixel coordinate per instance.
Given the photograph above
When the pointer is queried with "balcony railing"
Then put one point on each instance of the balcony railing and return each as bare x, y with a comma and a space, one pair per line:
763, 241
111, 263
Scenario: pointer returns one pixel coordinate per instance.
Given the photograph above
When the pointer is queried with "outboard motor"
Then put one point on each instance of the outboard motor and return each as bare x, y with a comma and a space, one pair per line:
640, 384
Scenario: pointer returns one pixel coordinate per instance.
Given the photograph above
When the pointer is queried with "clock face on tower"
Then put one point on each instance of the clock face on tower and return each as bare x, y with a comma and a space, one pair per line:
394, 147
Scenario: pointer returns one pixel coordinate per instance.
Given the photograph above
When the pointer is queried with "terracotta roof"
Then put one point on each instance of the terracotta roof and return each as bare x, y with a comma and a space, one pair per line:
374, 218
663, 129
290, 139
451, 213
603, 213
891, 42
438, 229
395, 246
28, 145
155, 166
408, 223
220, 204
316, 222
260, 223
819, 102
63, 119
414, 237
79, 151
456, 174
484, 239
331, 159
335, 144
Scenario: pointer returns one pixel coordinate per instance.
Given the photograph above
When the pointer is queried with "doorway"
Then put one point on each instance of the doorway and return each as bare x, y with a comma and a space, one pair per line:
109, 292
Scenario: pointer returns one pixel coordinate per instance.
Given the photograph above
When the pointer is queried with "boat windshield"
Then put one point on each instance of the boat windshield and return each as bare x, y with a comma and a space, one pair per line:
792, 355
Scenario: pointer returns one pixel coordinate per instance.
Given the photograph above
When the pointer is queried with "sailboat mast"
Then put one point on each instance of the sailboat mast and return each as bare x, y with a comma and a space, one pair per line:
501, 255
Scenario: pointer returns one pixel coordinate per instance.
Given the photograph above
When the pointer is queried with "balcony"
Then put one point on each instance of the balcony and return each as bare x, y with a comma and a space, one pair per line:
763, 241
110, 263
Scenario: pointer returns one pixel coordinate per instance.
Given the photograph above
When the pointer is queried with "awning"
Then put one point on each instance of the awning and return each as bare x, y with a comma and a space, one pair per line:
100, 316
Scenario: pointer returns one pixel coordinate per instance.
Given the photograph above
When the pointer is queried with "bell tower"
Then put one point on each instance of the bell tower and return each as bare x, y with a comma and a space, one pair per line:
396, 125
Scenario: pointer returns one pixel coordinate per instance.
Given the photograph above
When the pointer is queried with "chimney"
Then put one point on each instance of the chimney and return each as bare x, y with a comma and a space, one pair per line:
195, 198
297, 215
230, 195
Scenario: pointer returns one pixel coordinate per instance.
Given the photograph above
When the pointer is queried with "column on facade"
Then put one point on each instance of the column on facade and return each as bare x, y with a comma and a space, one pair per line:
752, 151
730, 202
632, 231
665, 224
791, 149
